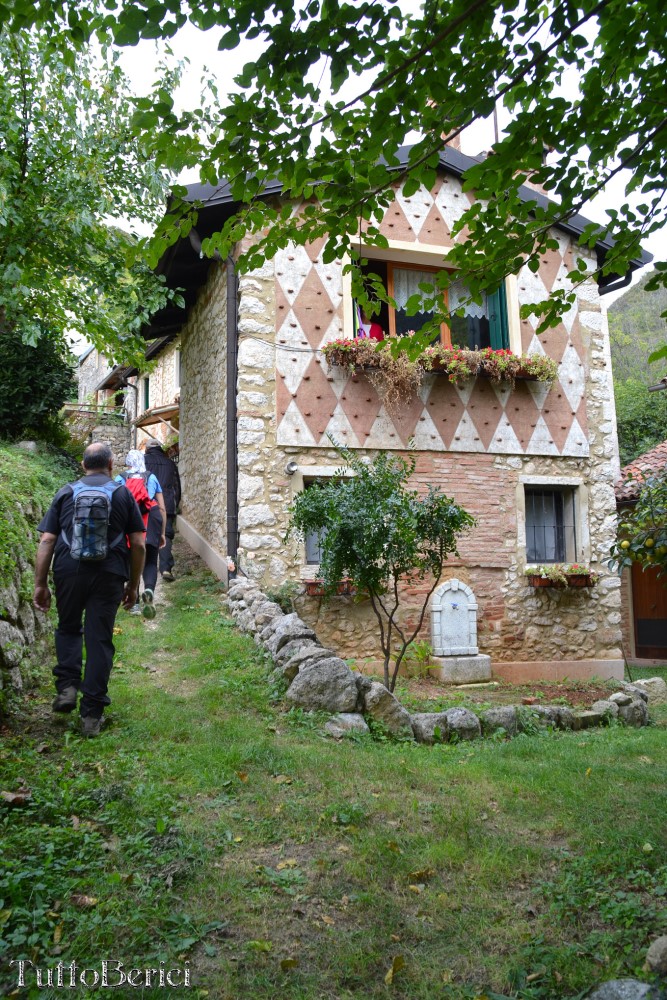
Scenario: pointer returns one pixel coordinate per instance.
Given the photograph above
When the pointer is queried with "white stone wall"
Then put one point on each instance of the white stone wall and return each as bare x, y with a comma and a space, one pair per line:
203, 455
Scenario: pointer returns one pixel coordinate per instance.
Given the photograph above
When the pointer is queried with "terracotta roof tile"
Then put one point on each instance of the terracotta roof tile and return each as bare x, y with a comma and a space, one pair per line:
646, 465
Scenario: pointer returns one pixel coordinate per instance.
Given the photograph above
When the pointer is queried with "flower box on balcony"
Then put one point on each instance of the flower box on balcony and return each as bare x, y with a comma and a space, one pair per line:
560, 576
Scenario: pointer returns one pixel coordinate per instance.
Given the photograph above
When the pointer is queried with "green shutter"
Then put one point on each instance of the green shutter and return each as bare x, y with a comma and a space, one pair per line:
498, 327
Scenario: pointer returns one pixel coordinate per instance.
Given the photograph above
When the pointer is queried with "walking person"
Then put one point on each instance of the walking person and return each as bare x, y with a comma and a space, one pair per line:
166, 471
86, 532
147, 491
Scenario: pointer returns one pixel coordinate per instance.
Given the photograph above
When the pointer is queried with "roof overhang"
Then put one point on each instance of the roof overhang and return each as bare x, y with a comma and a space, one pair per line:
184, 266
168, 415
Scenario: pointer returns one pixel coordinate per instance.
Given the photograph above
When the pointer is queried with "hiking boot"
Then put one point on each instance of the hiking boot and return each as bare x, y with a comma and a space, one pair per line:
148, 610
90, 726
168, 576
135, 609
65, 700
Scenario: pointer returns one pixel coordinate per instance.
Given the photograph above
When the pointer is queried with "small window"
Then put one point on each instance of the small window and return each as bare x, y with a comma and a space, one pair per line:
177, 370
483, 325
147, 393
313, 540
551, 535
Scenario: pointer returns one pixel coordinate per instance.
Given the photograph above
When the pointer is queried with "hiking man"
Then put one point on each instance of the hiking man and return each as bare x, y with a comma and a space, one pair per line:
166, 471
85, 532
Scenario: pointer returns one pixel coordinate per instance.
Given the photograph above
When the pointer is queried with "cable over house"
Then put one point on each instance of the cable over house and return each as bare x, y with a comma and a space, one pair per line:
534, 460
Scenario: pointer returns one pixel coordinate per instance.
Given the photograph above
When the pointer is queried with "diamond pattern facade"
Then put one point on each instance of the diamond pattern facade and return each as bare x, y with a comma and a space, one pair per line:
314, 401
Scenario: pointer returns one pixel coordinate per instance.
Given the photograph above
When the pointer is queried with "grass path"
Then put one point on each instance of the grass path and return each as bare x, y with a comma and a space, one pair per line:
208, 825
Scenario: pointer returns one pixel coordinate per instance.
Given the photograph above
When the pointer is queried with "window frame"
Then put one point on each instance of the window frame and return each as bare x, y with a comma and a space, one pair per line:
580, 509
434, 258
306, 474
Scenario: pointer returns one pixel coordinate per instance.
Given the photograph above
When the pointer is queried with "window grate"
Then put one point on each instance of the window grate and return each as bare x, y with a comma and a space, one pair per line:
551, 535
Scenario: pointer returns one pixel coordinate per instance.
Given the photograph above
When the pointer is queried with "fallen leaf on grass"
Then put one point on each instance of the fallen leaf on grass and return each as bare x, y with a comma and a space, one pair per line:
647, 848
242, 776
416, 888
4, 916
260, 945
83, 902
117, 630
422, 874
288, 963
447, 975
328, 920
288, 863
42, 748
282, 779
588, 771
396, 966
58, 933
16, 798
395, 937
76, 822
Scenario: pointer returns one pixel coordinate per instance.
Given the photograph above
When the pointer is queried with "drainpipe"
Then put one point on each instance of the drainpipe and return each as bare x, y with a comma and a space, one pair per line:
232, 380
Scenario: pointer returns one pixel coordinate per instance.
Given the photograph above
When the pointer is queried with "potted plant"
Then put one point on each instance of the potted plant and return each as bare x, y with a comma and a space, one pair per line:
315, 588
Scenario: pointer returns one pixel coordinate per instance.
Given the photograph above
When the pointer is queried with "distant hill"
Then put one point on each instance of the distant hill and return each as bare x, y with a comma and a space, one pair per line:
636, 329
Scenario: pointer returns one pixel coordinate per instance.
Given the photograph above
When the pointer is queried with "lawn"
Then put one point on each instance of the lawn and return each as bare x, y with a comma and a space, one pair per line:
210, 826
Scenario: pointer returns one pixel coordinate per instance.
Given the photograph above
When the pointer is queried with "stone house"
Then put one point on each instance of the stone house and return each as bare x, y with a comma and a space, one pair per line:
535, 463
643, 593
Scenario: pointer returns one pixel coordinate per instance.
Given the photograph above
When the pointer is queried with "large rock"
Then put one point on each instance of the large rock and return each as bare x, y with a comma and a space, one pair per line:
463, 723
634, 714
12, 645
606, 707
626, 989
503, 717
344, 723
276, 623
655, 688
635, 690
430, 727
620, 698
327, 685
656, 956
557, 716
9, 601
265, 612
303, 653
587, 720
291, 632
382, 706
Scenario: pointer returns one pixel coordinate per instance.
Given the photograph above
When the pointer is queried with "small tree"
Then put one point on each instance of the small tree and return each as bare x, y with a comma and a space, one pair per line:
377, 532
642, 532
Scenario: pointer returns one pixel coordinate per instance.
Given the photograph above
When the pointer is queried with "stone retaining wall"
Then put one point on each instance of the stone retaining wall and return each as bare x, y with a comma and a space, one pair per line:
319, 680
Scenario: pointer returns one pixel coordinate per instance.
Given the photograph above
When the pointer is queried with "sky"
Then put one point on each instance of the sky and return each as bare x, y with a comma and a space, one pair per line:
201, 49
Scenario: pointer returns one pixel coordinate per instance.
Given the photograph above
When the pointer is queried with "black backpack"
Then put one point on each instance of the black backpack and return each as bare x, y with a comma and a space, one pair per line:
90, 522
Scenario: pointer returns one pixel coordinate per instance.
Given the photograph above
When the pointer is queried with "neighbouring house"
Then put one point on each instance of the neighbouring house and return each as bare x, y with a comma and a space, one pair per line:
535, 462
643, 592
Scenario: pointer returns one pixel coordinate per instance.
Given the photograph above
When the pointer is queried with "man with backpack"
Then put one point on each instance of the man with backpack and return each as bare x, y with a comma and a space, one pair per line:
86, 532
166, 471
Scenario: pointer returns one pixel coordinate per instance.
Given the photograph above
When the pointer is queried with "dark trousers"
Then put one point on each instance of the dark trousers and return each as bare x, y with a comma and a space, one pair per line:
87, 604
166, 558
150, 567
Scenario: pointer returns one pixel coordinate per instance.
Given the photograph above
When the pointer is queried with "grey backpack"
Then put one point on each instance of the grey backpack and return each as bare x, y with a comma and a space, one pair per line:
90, 522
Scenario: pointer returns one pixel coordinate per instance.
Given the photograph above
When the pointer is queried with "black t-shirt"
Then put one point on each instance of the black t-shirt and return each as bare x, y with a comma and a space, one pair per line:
124, 520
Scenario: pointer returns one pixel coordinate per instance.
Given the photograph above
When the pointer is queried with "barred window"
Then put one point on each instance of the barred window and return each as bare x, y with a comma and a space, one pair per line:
550, 525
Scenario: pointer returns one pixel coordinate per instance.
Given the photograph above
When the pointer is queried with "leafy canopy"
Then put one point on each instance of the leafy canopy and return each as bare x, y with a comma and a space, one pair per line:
34, 384
379, 534
430, 70
68, 161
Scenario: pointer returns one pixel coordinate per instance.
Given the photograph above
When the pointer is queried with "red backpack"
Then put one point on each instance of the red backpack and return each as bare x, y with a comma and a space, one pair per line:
137, 487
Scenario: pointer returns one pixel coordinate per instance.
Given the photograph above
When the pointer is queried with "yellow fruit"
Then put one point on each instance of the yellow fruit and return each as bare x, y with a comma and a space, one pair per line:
661, 550
625, 544
649, 543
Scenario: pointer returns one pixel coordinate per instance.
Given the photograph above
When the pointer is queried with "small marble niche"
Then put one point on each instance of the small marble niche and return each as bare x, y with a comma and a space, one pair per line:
456, 657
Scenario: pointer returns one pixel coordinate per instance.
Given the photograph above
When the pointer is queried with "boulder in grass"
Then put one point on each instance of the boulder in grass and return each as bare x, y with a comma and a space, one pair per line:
621, 698
345, 723
293, 632
626, 989
503, 717
382, 706
656, 956
634, 714
298, 653
635, 690
607, 707
430, 727
327, 685
463, 723
557, 716
655, 688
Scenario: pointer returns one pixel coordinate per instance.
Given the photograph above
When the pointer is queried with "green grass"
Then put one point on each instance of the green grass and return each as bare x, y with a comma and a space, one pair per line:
211, 825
